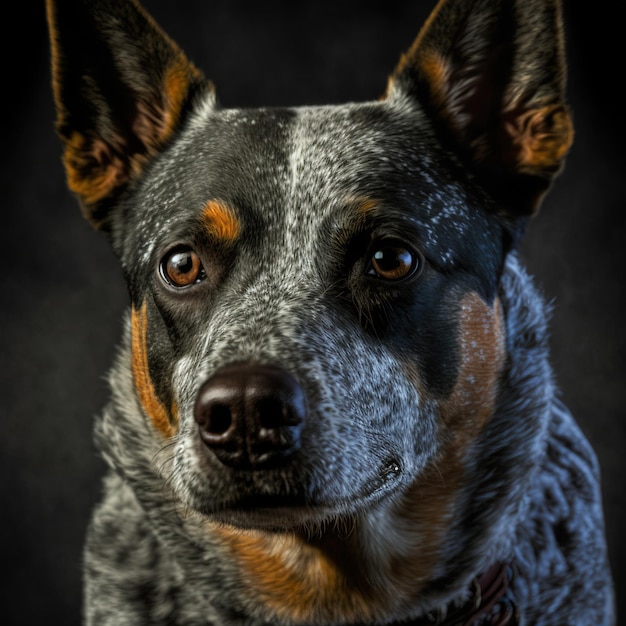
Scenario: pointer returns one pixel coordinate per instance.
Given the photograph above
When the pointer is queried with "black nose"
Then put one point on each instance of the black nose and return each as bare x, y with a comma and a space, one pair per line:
251, 416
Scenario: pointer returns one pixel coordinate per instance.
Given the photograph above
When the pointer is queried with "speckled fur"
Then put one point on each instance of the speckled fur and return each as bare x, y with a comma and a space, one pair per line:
435, 442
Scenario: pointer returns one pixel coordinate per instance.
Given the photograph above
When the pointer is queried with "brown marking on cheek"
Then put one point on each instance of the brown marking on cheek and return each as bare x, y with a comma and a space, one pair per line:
539, 138
295, 579
220, 221
426, 512
150, 403
482, 355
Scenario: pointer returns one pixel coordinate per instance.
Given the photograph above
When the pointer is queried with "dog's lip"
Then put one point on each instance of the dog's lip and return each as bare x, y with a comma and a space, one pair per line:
283, 512
257, 502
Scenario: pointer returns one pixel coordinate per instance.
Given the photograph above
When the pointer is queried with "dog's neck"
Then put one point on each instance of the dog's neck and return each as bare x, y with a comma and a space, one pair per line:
488, 598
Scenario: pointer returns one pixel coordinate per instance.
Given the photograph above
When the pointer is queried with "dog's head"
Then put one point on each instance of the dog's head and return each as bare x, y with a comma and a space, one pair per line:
317, 331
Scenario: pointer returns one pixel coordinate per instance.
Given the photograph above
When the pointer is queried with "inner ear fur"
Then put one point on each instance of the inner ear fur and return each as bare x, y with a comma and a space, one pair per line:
121, 88
491, 74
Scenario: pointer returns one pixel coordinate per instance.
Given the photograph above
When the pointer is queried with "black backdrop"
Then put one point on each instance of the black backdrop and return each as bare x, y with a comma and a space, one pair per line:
63, 294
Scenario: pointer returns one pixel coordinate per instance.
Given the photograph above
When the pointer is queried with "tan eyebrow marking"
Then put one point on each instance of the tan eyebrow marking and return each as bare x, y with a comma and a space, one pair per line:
220, 221
365, 206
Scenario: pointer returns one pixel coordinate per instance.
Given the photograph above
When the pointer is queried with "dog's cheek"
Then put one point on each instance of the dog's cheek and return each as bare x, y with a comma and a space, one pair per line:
428, 507
424, 331
482, 354
149, 379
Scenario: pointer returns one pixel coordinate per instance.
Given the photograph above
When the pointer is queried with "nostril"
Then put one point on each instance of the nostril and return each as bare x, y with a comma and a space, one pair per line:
271, 413
219, 419
216, 407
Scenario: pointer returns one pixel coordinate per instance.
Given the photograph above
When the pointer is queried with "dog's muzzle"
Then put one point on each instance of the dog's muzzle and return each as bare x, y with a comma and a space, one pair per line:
251, 416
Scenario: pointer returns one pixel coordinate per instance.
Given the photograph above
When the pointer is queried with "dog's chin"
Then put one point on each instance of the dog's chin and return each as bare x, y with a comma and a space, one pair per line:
275, 519
300, 513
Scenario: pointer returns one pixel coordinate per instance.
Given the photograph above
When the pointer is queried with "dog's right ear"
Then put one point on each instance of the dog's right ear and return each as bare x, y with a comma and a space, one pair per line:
121, 89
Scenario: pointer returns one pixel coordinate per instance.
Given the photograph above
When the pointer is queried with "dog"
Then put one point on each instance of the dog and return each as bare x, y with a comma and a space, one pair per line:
333, 402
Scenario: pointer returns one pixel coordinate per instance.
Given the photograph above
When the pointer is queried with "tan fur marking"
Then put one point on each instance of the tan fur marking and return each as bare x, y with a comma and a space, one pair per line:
220, 221
357, 210
150, 403
160, 117
541, 138
481, 340
436, 71
57, 60
365, 206
428, 507
295, 579
93, 169
422, 520
433, 67
176, 85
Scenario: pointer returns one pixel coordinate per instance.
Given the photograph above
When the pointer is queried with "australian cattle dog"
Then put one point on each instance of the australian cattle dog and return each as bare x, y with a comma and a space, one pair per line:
332, 403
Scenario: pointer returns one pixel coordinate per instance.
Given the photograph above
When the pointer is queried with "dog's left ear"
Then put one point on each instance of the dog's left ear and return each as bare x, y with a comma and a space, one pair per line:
121, 88
491, 73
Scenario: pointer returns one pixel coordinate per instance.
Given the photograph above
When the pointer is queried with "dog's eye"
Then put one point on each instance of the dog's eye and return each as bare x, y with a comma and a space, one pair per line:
182, 267
392, 260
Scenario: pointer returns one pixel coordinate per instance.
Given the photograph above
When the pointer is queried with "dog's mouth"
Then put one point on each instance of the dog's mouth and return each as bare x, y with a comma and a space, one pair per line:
280, 512
259, 463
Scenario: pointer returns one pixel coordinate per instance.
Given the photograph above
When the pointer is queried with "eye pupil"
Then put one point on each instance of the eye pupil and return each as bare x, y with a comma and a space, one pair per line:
182, 268
181, 263
393, 262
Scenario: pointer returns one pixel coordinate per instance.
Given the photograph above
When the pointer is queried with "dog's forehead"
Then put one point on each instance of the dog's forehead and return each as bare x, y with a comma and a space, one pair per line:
276, 159
331, 150
293, 169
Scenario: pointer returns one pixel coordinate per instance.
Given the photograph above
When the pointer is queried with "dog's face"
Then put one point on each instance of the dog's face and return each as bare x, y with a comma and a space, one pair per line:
339, 245
315, 331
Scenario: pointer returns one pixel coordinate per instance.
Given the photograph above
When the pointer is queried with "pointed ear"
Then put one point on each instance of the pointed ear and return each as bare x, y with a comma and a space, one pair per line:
121, 89
491, 74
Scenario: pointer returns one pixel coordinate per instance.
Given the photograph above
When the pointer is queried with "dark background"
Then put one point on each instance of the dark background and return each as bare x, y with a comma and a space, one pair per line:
63, 294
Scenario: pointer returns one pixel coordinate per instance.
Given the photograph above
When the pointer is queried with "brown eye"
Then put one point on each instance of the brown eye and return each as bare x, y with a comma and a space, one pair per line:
182, 267
393, 261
